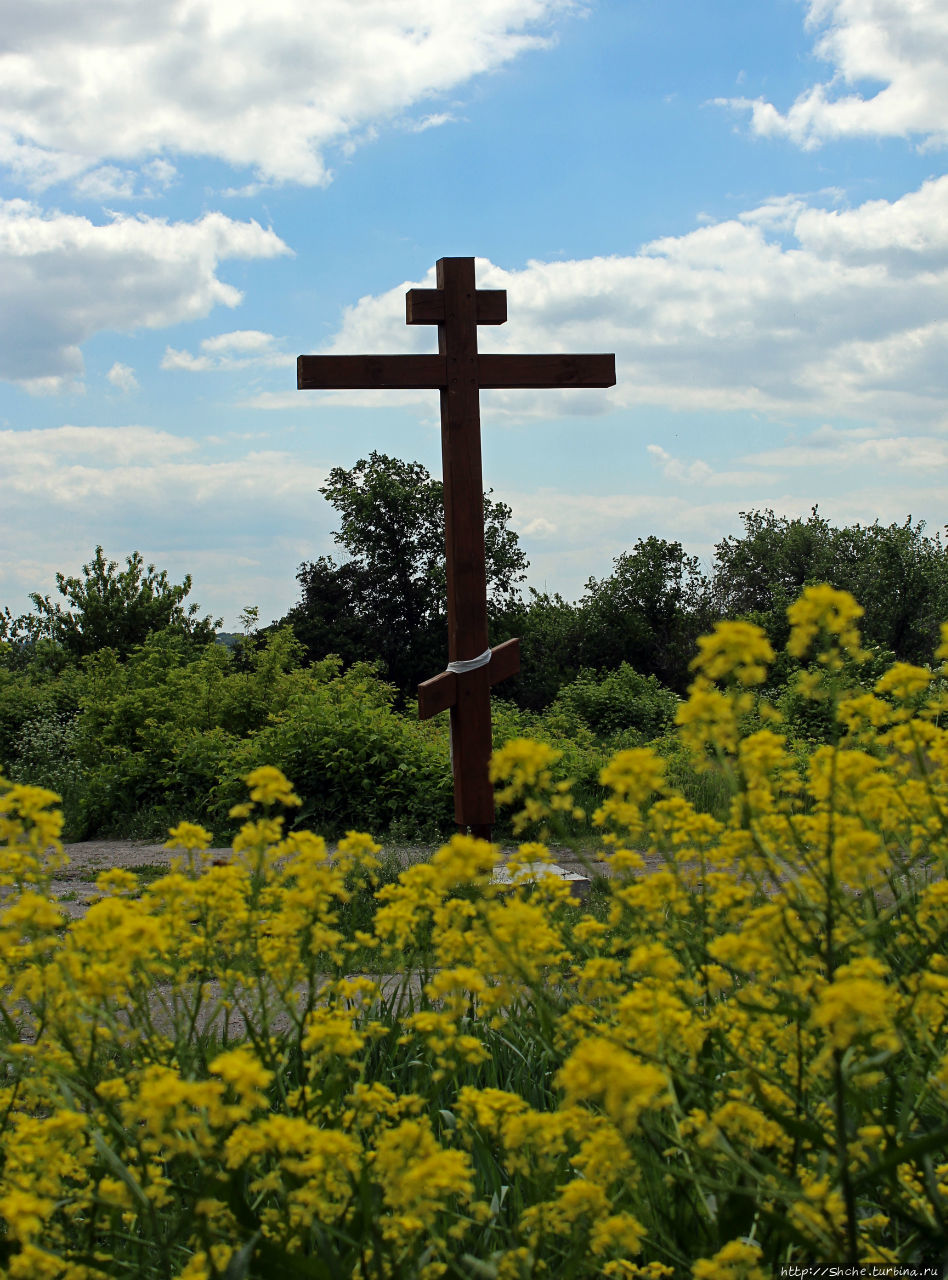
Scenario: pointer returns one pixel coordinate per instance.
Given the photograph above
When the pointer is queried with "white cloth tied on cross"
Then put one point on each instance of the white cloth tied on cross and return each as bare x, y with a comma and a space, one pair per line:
459, 667
470, 664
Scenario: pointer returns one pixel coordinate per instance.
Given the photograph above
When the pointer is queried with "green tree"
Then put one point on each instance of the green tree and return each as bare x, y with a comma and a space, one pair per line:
326, 619
649, 613
897, 572
551, 637
386, 599
112, 608
757, 575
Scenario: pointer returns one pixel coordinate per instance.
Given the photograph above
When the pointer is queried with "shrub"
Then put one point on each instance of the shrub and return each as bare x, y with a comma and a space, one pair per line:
44, 751
617, 701
350, 753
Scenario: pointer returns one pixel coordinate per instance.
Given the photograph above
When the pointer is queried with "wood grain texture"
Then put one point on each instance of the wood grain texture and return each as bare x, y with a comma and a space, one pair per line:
437, 694
426, 306
547, 371
440, 692
326, 373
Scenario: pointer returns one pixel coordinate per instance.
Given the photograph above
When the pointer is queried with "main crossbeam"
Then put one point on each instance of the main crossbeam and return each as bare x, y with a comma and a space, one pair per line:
460, 373
391, 373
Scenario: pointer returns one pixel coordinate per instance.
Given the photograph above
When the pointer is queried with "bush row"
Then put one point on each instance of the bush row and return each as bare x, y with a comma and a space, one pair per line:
133, 745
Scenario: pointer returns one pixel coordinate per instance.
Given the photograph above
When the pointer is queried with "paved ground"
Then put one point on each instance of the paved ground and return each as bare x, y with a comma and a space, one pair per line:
74, 885
74, 889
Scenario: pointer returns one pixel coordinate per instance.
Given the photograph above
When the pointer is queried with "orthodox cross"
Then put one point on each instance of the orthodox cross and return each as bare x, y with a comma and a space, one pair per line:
458, 372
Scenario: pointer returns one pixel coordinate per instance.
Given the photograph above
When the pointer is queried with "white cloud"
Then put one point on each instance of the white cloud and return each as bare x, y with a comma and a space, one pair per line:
236, 350
433, 121
831, 447
697, 472
252, 341
143, 471
539, 527
64, 278
123, 377
238, 519
269, 86
787, 309
161, 171
591, 529
902, 47
44, 449
108, 182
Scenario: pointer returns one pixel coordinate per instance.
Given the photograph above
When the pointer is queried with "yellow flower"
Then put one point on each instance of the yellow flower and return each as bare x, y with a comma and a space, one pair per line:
862, 709
619, 1231
419, 1178
857, 1003
942, 650
600, 1071
116, 880
269, 786
245, 1074
188, 835
904, 681
524, 762
737, 1260
825, 611
710, 717
634, 775
331, 1032
734, 650
25, 1213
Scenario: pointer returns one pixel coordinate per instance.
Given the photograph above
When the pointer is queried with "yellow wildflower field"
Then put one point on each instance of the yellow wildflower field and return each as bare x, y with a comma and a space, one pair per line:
734, 1063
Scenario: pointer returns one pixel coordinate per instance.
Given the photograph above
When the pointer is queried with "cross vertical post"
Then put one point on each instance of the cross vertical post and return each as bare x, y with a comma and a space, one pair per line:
457, 307
464, 544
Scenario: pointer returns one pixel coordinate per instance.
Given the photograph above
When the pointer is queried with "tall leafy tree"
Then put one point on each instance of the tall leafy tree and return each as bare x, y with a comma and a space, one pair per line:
759, 573
387, 597
648, 613
112, 608
551, 632
897, 572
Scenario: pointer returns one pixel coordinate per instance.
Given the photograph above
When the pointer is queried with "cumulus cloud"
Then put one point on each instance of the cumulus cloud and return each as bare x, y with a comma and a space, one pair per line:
540, 527
592, 529
832, 447
270, 87
697, 472
139, 469
902, 47
64, 278
123, 377
46, 450
239, 518
237, 350
108, 182
788, 309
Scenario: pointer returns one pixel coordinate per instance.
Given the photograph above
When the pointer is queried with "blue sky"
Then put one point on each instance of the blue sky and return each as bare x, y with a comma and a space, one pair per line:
746, 201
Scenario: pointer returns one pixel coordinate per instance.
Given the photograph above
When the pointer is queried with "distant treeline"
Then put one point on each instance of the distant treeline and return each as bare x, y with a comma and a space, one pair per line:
385, 600
140, 711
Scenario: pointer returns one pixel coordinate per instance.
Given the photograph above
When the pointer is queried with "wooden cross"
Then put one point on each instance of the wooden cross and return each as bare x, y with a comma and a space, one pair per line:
457, 308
